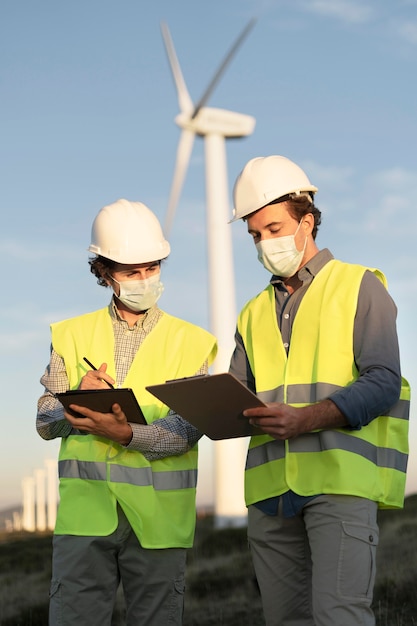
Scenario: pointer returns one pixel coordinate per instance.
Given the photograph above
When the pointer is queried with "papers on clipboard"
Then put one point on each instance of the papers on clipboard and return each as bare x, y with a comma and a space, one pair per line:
214, 404
102, 400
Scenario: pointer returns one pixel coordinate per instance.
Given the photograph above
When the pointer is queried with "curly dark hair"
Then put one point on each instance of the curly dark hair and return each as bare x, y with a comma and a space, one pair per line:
100, 265
298, 206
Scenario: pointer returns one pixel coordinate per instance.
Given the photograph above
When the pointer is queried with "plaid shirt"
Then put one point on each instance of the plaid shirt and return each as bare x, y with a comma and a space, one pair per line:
169, 436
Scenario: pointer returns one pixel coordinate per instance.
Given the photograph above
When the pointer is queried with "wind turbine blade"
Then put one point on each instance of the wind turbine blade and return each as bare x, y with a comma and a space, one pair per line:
184, 101
185, 146
222, 67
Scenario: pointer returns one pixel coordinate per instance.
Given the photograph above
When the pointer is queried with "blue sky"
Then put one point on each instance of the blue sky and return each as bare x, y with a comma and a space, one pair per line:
87, 117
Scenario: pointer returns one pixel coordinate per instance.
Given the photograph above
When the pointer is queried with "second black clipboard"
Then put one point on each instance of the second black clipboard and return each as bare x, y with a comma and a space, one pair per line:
214, 404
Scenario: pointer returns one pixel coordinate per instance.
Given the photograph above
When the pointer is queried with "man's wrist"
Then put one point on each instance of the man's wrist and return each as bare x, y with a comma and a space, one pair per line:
324, 414
128, 438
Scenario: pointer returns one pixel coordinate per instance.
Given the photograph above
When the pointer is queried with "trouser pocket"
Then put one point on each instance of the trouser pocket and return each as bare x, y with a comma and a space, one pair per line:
357, 560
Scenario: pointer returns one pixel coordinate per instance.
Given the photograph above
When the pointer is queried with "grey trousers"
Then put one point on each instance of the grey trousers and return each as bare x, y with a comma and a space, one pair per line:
86, 572
317, 568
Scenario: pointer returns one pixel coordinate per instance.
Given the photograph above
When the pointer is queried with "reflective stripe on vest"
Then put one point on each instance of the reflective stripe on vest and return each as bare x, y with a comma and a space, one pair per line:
309, 394
299, 394
140, 477
327, 440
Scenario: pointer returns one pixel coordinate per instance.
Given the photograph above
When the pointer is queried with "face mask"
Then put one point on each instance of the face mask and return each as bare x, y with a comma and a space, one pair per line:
140, 295
280, 255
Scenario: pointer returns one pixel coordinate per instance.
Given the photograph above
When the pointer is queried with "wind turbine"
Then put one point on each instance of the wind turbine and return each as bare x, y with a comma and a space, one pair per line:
214, 126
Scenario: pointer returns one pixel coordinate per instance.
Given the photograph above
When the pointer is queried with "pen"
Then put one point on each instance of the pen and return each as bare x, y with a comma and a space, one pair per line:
95, 369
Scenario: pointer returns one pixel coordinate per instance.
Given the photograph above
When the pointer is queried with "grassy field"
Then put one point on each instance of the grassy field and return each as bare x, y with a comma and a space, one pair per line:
221, 587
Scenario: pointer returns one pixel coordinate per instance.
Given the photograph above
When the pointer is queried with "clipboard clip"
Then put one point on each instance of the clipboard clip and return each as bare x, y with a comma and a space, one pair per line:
174, 380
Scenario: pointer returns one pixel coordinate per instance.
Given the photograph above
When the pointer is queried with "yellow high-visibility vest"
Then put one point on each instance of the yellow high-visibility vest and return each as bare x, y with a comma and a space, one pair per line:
370, 462
158, 497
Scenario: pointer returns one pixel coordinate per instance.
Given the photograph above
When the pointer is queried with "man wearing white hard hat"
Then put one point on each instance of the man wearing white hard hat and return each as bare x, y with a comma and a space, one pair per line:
127, 490
319, 346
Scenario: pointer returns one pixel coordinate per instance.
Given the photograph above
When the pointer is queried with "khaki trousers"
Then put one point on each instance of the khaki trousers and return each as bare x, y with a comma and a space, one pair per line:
86, 572
318, 567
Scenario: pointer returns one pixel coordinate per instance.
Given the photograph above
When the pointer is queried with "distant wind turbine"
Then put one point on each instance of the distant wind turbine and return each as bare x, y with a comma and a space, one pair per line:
203, 121
215, 126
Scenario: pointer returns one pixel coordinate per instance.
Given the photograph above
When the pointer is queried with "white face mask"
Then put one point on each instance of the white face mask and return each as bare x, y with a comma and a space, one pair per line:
280, 256
140, 295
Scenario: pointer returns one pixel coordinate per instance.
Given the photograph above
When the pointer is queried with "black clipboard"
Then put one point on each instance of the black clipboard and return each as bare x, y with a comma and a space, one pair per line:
212, 403
102, 400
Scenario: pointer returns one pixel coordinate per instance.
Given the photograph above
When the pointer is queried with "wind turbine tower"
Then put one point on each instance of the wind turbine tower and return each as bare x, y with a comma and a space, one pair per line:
214, 126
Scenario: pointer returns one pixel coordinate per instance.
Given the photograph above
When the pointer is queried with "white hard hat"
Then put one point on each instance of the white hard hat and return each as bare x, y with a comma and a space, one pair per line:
128, 232
265, 179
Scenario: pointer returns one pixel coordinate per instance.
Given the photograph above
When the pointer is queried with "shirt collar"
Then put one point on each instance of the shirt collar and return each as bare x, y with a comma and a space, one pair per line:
143, 321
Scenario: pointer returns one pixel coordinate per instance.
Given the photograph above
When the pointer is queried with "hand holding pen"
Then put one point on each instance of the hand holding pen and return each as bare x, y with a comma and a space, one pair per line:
96, 378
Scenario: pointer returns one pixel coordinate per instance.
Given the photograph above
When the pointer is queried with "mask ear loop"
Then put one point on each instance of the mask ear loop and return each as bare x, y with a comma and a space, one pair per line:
298, 228
112, 281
